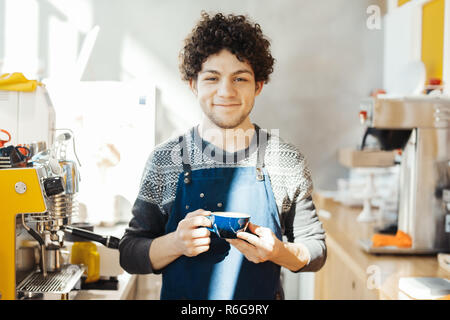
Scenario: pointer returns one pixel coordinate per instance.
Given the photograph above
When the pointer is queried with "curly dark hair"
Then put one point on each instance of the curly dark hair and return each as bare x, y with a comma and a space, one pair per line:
232, 32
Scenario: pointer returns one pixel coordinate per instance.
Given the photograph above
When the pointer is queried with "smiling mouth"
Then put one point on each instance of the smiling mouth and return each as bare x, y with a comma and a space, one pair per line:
229, 105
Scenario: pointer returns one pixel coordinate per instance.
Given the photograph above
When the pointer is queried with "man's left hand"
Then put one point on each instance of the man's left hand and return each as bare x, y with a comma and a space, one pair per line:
259, 246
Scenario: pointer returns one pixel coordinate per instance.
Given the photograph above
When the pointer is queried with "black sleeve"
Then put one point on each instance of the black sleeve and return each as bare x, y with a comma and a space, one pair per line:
148, 223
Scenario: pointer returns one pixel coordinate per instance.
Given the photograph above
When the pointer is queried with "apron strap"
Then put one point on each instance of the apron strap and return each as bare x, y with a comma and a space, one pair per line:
261, 145
185, 160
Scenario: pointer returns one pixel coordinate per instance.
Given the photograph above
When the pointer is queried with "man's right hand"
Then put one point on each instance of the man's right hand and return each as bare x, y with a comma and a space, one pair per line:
191, 238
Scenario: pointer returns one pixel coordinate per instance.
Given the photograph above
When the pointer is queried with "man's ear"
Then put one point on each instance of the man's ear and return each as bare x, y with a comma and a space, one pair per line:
259, 85
193, 86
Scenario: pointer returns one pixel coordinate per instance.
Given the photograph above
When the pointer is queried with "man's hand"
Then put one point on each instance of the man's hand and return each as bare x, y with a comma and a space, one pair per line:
259, 247
263, 246
190, 238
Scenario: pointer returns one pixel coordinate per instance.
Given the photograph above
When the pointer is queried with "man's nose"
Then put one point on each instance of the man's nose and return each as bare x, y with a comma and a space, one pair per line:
226, 89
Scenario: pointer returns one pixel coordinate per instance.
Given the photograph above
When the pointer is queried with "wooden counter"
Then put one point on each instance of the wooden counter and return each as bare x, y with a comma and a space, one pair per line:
350, 272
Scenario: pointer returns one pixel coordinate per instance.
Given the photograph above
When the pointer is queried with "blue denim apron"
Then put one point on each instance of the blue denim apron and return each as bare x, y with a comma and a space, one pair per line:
223, 273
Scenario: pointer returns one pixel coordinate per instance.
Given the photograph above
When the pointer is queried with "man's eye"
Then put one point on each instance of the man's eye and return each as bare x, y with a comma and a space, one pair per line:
241, 79
211, 79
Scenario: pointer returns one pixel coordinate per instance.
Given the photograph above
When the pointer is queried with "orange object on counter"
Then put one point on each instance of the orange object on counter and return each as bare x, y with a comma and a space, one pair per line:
401, 240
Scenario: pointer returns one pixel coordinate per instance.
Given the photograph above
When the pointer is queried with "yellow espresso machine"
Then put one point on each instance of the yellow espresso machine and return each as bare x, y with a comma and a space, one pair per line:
37, 202
25, 197
34, 203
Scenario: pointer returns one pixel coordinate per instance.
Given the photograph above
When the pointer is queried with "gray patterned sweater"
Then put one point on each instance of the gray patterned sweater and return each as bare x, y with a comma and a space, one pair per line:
289, 176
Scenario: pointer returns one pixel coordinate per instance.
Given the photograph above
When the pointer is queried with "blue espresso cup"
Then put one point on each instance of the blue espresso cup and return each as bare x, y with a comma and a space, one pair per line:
228, 224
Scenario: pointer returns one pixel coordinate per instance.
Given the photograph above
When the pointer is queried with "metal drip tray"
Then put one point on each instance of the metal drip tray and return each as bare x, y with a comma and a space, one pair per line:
60, 282
366, 245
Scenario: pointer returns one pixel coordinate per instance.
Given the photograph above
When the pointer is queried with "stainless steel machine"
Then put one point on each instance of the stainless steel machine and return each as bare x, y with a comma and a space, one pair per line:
424, 168
38, 191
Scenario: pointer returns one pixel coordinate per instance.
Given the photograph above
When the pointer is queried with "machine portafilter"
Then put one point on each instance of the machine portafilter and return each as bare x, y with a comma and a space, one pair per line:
107, 241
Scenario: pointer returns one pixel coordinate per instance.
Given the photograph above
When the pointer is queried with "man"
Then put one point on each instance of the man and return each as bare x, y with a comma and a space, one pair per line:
226, 163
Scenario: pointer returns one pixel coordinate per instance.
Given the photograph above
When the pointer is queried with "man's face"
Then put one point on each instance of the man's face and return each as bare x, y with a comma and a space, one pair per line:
226, 89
